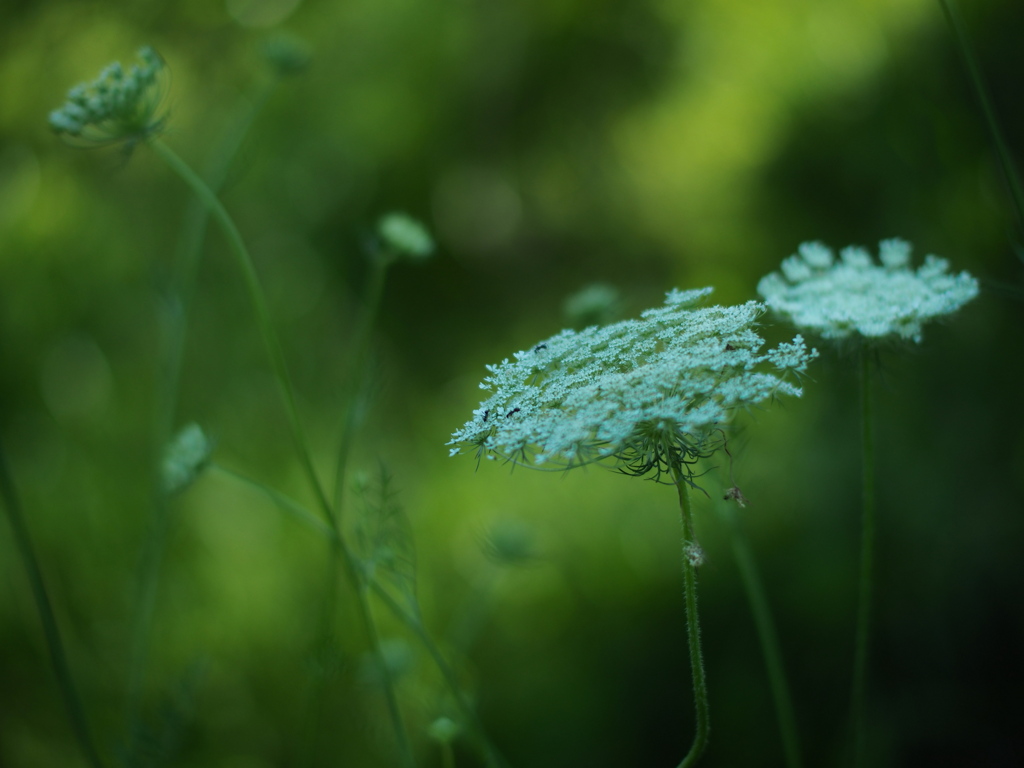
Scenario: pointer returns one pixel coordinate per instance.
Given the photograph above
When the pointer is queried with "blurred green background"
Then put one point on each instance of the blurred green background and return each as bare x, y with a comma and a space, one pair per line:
548, 144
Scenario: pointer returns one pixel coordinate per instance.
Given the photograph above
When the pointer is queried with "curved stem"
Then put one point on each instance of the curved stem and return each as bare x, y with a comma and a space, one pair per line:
700, 688
340, 550
768, 638
867, 544
1012, 177
59, 660
358, 371
266, 327
475, 729
175, 327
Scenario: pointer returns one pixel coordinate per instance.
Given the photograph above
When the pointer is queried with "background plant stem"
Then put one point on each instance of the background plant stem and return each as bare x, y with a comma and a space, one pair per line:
768, 637
176, 308
277, 360
51, 631
867, 544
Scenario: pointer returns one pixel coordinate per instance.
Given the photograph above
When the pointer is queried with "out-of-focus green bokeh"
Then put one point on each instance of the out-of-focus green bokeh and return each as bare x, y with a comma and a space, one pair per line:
548, 144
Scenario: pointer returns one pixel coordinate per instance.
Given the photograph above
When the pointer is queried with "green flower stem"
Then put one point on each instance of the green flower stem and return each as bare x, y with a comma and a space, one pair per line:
276, 354
355, 402
768, 637
469, 717
1013, 182
867, 544
447, 755
266, 327
51, 631
394, 710
700, 688
175, 326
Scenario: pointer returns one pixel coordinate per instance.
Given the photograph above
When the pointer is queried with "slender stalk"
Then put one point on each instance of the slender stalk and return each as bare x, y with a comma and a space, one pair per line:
355, 402
768, 637
255, 290
339, 549
51, 631
867, 544
175, 328
469, 717
1012, 177
447, 755
394, 711
470, 720
700, 688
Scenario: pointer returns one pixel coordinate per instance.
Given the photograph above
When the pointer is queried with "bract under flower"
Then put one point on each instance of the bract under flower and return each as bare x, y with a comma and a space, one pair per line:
647, 393
854, 296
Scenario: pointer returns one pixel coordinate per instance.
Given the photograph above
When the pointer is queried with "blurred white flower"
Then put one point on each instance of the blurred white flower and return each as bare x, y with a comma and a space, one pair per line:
856, 296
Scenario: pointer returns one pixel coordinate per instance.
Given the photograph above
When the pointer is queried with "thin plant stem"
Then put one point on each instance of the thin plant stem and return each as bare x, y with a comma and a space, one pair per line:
355, 404
768, 637
469, 718
700, 688
175, 326
447, 755
51, 631
1012, 177
395, 712
255, 290
867, 544
279, 365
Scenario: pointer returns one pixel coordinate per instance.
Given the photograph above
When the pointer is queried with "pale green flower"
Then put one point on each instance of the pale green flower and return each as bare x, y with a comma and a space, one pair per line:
650, 394
185, 458
405, 236
117, 105
854, 296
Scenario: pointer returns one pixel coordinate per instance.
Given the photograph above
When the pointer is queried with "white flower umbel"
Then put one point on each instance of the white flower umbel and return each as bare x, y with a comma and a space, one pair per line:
858, 300
645, 393
648, 395
856, 296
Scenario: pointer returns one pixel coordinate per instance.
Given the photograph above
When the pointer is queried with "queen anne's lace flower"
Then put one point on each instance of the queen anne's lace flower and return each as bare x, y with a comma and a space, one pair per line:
648, 393
856, 296
117, 105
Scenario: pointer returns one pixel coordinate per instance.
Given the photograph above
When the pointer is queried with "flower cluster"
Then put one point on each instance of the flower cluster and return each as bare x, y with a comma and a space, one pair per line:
649, 393
856, 296
117, 105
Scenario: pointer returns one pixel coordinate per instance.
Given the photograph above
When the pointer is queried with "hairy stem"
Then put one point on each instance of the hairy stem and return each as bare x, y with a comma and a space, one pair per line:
867, 544
61, 668
700, 688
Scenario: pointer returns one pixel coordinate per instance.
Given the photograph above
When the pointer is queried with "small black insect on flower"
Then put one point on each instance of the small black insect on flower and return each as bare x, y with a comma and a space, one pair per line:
514, 410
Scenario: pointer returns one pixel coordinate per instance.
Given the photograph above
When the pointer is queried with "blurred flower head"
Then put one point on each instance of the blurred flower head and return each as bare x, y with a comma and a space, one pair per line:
854, 296
117, 106
649, 394
402, 235
185, 458
596, 304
